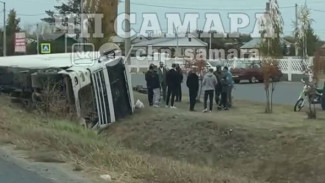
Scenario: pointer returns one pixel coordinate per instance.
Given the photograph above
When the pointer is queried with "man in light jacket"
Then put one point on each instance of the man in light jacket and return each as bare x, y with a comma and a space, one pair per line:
209, 84
162, 72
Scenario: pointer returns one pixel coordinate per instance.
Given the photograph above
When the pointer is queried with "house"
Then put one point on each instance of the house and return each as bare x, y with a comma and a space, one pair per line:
176, 46
255, 42
135, 39
60, 42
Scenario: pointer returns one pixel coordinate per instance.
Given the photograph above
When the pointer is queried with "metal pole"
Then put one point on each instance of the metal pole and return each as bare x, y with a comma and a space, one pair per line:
4, 30
296, 24
210, 47
177, 43
81, 24
66, 43
37, 34
127, 30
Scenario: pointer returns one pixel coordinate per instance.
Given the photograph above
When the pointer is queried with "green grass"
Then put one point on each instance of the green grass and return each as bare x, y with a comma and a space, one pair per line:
53, 140
163, 145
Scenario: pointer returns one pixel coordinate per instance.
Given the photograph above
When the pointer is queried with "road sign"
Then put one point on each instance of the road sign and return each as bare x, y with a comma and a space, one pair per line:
20, 42
45, 48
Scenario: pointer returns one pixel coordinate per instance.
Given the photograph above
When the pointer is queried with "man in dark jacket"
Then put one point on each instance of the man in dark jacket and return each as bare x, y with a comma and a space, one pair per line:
149, 80
224, 96
179, 85
193, 86
172, 82
218, 73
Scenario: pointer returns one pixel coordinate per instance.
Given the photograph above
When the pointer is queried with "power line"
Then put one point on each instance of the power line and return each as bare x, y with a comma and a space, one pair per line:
318, 10
31, 15
206, 9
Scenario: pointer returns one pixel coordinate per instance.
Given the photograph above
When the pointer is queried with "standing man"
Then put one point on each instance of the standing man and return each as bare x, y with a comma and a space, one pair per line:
209, 83
162, 71
172, 81
193, 86
149, 80
224, 91
230, 84
179, 85
219, 75
155, 87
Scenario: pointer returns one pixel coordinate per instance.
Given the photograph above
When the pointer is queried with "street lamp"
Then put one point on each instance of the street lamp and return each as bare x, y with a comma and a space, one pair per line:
4, 30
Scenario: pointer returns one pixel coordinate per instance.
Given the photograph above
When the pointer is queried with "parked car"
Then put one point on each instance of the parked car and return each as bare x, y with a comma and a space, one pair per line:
252, 72
213, 65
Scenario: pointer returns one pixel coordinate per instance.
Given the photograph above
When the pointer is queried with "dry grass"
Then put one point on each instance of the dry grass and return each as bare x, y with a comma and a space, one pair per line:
95, 154
163, 145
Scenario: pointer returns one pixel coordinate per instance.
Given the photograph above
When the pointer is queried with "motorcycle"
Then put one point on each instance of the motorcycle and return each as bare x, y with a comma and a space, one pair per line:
317, 98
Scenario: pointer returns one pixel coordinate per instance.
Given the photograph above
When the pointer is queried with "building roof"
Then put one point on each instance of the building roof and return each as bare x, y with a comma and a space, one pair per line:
172, 42
54, 36
251, 44
37, 61
134, 39
254, 43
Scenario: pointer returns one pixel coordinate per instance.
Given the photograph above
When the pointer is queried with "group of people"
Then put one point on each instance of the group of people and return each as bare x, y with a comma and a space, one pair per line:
167, 83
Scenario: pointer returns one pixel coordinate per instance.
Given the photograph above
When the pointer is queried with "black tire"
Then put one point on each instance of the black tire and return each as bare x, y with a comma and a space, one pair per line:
298, 106
323, 102
236, 81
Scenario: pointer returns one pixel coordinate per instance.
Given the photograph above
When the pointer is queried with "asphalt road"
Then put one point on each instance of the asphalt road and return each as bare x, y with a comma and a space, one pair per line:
11, 173
285, 92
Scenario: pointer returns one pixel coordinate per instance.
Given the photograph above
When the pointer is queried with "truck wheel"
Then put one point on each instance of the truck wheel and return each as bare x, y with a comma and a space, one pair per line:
237, 81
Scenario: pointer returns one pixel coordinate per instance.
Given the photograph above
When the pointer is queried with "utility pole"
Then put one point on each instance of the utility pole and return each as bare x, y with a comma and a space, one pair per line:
127, 31
4, 30
296, 26
81, 25
65, 43
37, 34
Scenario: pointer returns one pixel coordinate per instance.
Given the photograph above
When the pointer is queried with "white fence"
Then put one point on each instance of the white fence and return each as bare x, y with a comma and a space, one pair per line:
143, 63
289, 66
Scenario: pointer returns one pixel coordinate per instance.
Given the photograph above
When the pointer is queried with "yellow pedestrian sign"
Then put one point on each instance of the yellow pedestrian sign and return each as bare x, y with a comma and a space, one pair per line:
45, 48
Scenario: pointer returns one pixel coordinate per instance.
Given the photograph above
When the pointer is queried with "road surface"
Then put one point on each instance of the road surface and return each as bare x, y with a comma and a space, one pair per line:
285, 92
11, 173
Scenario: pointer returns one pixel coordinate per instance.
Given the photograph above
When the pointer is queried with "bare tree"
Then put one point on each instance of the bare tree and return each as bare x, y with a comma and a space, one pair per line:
271, 25
301, 34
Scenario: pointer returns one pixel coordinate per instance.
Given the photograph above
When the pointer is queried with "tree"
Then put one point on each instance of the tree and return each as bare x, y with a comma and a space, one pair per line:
312, 41
270, 48
307, 41
72, 10
109, 10
64, 14
304, 35
12, 27
72, 7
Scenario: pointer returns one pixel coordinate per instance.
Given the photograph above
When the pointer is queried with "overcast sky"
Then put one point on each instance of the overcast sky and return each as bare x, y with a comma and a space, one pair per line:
31, 11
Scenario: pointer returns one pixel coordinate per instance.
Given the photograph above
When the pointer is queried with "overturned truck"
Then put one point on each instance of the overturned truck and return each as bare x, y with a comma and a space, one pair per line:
100, 93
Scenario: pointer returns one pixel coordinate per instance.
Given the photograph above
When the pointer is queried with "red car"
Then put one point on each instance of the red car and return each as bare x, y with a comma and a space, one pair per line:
251, 72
